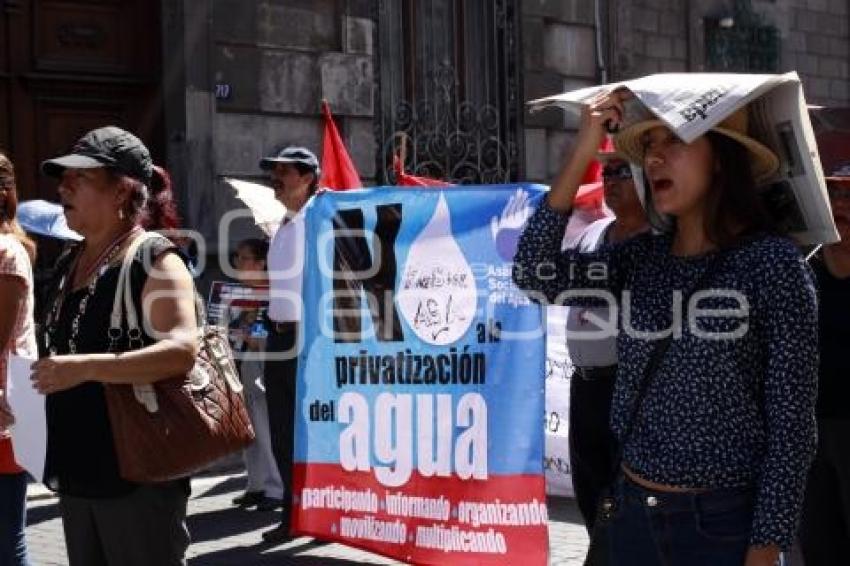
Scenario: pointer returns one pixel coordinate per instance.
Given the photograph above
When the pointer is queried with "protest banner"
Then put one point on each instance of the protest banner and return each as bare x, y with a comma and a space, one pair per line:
239, 308
692, 103
420, 388
559, 371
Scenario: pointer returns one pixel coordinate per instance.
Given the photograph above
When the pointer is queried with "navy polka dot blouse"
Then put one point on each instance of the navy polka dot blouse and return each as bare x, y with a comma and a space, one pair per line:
732, 403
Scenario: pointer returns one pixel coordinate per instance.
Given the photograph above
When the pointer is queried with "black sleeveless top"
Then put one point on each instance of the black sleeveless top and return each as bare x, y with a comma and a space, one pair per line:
81, 459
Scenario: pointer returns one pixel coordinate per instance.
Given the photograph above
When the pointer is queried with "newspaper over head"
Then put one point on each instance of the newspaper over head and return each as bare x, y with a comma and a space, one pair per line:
692, 103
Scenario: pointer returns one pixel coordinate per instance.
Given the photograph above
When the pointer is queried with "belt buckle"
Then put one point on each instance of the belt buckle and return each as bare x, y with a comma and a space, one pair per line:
607, 508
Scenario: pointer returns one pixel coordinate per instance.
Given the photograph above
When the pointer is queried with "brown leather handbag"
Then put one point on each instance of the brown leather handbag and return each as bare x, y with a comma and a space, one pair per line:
177, 426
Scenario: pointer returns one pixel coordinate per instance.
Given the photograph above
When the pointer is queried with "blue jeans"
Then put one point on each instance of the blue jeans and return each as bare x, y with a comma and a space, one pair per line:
13, 518
651, 527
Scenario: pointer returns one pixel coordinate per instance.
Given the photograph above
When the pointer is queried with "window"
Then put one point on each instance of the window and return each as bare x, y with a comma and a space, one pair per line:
449, 90
741, 42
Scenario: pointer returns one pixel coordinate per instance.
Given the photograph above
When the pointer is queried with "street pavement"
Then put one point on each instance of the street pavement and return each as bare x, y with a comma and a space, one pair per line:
225, 535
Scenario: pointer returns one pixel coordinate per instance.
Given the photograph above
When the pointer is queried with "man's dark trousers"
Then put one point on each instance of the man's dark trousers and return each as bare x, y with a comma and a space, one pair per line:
279, 376
593, 447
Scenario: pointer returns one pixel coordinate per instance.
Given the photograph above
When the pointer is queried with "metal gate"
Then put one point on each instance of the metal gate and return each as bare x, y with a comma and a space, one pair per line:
449, 99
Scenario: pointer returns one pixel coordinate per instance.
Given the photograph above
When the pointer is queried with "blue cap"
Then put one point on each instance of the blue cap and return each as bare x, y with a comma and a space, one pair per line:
45, 219
292, 154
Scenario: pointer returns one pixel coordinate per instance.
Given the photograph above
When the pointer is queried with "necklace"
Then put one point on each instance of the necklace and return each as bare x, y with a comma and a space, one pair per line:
99, 267
90, 269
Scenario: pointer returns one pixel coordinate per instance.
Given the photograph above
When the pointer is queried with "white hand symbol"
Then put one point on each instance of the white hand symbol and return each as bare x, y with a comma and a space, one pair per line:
514, 215
507, 228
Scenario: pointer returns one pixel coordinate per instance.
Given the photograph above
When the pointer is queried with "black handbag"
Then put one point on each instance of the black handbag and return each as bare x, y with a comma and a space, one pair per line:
598, 552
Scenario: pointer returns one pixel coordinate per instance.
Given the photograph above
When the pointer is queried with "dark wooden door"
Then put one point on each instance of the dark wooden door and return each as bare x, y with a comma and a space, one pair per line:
68, 66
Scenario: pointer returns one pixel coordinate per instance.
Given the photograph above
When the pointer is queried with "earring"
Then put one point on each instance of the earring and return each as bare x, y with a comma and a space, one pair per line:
120, 214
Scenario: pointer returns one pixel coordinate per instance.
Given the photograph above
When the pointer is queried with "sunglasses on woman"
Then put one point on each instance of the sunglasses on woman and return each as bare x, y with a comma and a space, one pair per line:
618, 172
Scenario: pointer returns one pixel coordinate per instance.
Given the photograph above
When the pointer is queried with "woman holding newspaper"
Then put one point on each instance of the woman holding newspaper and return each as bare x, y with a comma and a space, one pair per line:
17, 336
714, 401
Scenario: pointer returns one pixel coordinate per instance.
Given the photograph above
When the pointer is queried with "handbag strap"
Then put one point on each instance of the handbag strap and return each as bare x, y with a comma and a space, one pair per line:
123, 296
657, 356
144, 394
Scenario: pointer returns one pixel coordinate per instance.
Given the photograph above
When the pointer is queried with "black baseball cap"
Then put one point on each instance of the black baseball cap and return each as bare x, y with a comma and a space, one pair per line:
109, 147
292, 154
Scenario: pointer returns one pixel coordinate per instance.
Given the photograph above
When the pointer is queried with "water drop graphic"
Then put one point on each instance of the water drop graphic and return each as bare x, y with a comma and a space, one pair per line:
438, 295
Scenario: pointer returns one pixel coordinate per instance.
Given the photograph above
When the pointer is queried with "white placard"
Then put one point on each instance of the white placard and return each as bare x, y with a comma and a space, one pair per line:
556, 456
29, 433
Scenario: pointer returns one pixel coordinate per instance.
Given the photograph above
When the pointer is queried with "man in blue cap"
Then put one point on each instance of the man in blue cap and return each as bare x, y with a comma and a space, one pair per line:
294, 173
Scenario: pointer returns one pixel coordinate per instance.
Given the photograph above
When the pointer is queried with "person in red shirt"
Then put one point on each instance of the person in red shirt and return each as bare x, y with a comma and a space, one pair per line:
17, 336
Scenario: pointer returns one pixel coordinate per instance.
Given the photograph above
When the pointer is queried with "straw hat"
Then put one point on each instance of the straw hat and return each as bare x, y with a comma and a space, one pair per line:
763, 161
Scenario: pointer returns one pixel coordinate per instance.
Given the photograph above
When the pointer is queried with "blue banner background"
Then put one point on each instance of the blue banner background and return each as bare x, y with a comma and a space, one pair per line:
514, 389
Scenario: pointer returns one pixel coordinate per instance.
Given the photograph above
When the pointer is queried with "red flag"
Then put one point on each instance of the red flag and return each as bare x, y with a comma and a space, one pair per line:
338, 171
402, 179
593, 173
591, 195
589, 204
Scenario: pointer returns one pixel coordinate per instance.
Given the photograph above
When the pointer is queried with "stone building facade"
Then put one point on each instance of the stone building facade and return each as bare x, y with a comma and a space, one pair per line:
254, 75
243, 79
640, 37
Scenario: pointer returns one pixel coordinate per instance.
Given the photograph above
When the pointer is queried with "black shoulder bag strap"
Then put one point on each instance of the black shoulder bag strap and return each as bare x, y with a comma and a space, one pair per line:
598, 550
654, 364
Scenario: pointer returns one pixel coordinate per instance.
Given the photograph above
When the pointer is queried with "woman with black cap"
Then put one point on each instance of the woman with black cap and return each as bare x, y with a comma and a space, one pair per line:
714, 407
107, 519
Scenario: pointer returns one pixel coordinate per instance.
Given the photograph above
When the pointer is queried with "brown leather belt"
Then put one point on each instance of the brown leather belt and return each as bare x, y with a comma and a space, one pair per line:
658, 486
